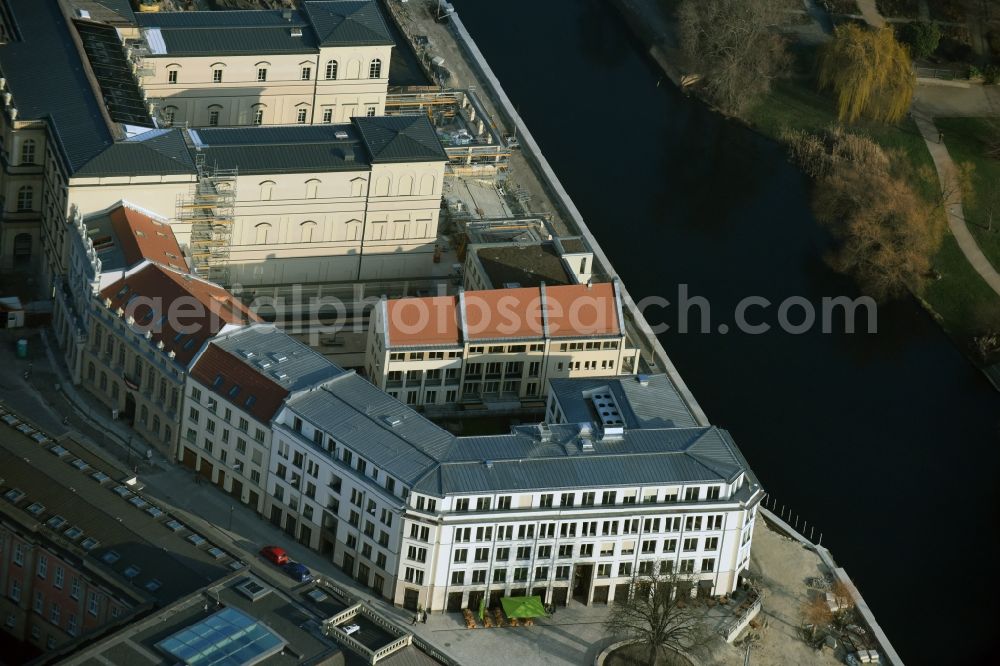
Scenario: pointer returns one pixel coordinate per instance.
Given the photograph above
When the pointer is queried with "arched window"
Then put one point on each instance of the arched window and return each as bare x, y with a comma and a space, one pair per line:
25, 197
104, 381
143, 414
307, 231
312, 188
214, 113
405, 186
156, 423
375, 69
91, 371
28, 151
266, 190
331, 69
263, 233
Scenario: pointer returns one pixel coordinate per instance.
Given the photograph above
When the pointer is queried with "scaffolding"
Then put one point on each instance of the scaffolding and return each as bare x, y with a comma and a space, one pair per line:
209, 209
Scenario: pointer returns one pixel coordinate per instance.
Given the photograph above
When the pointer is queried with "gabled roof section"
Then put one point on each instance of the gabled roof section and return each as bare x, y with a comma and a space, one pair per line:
124, 236
348, 23
156, 152
178, 309
255, 368
48, 80
385, 431
392, 139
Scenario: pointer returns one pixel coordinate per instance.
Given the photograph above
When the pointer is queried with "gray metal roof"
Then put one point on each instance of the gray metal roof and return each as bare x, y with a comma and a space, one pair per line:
250, 32
156, 152
652, 451
348, 23
359, 415
265, 343
655, 405
283, 149
523, 460
48, 81
400, 139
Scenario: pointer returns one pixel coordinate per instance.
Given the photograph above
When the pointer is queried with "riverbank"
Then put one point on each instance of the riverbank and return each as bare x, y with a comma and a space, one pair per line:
957, 297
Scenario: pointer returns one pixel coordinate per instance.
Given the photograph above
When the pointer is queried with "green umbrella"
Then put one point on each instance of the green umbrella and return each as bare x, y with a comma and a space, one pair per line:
522, 607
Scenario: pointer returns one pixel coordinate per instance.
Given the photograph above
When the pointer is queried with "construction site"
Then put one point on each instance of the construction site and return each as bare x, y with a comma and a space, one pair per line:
209, 209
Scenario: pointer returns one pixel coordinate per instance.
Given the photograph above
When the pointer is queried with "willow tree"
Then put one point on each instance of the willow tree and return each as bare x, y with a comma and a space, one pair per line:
870, 73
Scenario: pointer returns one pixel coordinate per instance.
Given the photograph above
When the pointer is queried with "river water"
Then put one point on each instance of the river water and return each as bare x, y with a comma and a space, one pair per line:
886, 442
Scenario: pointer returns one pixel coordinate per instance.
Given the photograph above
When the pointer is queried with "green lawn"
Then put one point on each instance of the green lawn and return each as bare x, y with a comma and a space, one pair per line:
966, 141
964, 303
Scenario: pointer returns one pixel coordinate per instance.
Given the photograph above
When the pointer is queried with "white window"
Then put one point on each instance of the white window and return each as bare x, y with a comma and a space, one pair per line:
375, 69
327, 116
25, 198
258, 116
172, 76
15, 589
43, 566
216, 76
331, 69
370, 112
266, 190
169, 113
312, 190
307, 73
263, 232
213, 117
262, 74
28, 151
301, 116
92, 603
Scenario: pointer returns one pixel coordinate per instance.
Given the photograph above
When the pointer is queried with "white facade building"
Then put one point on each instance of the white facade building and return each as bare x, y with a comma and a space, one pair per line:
325, 63
499, 345
233, 390
559, 510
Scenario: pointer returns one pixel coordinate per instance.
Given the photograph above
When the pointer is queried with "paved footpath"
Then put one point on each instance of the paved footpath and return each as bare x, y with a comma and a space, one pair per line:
573, 636
953, 200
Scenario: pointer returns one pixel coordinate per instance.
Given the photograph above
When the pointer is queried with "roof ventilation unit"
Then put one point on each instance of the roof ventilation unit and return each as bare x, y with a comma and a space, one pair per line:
392, 421
296, 32
341, 134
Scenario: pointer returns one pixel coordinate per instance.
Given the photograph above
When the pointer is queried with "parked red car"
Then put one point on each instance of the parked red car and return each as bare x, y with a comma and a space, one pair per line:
274, 555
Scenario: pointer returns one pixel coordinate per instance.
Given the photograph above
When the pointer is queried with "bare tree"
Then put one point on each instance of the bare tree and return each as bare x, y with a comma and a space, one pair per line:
657, 616
886, 232
735, 46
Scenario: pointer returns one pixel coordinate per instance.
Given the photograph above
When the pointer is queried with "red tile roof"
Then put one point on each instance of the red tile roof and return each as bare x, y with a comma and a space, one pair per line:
180, 310
426, 321
503, 313
578, 309
142, 237
570, 311
236, 382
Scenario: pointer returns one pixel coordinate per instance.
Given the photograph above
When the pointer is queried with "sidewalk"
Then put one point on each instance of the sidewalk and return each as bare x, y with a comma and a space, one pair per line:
953, 201
573, 636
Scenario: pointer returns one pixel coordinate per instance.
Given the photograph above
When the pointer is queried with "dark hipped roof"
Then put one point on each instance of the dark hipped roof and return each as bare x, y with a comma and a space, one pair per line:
157, 152
282, 149
400, 139
348, 23
252, 32
47, 80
